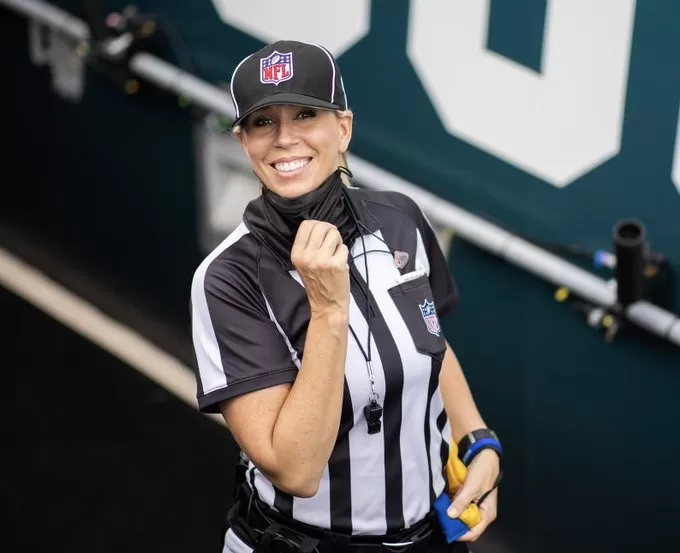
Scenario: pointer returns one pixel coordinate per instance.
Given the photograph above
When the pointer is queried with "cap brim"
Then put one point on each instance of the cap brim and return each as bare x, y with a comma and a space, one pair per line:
286, 98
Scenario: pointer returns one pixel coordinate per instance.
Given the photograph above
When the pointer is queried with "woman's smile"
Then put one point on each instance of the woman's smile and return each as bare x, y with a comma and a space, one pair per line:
291, 167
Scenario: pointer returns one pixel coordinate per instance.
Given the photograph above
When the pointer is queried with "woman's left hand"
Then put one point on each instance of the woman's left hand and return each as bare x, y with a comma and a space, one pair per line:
481, 477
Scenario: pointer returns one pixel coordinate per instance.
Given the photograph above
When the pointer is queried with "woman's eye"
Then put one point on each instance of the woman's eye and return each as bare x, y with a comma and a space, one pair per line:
261, 121
306, 113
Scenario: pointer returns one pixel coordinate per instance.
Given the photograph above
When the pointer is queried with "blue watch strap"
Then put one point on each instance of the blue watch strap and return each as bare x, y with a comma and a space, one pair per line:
477, 440
479, 445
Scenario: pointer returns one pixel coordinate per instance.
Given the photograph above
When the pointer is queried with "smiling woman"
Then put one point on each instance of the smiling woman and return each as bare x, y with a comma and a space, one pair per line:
317, 337
293, 148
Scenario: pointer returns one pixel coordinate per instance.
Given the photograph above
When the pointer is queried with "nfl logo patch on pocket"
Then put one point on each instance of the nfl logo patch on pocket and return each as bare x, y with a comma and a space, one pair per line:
429, 313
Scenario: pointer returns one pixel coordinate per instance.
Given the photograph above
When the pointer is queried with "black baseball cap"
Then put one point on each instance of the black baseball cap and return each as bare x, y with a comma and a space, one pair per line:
287, 72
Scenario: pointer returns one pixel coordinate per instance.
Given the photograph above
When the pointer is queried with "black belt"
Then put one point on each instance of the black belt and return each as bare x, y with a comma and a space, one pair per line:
272, 531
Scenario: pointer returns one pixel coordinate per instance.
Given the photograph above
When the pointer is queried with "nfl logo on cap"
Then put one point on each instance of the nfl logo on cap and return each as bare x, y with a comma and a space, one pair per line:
276, 68
429, 313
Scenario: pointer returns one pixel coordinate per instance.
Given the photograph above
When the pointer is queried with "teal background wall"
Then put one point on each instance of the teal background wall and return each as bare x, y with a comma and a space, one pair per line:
590, 428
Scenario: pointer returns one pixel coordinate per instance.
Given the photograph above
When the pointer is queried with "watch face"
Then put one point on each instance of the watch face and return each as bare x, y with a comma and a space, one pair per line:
474, 436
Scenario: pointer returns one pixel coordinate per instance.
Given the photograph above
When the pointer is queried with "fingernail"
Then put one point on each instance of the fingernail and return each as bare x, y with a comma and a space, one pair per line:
452, 512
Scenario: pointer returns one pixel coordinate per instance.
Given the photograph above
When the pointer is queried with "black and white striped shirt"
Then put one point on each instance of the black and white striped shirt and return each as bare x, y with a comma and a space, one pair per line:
249, 318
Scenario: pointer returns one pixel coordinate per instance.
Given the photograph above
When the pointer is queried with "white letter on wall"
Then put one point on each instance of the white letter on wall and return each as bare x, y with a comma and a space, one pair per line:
556, 125
336, 25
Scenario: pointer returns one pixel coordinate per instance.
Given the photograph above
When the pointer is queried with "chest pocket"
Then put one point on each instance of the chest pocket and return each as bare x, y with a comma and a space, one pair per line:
415, 303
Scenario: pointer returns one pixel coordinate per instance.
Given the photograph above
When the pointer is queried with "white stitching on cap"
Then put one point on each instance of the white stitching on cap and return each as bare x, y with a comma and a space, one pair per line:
231, 84
330, 59
344, 92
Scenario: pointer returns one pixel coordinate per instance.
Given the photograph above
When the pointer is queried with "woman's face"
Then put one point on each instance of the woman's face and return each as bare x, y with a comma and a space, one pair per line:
294, 149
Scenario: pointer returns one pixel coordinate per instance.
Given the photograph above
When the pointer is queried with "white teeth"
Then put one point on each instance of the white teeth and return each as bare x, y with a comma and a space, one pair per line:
291, 165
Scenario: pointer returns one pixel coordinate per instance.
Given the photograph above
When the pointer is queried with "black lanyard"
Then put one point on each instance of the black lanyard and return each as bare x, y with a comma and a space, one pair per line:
373, 410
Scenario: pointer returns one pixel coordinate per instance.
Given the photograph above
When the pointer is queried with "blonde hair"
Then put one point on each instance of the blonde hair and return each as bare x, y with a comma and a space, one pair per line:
342, 162
342, 156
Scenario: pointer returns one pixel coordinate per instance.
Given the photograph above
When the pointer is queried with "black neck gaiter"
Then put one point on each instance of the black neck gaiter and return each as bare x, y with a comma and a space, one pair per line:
326, 203
276, 220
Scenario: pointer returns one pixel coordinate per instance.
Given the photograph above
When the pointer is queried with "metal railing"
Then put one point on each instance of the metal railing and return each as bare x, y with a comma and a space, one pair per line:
471, 228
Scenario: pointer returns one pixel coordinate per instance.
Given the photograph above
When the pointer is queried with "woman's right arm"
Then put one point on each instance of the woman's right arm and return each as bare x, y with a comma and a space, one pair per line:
289, 431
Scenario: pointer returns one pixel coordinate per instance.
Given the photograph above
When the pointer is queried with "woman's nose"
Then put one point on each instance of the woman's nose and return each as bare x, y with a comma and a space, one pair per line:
287, 134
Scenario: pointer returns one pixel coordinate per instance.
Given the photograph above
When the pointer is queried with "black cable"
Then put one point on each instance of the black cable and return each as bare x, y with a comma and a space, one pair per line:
374, 405
371, 251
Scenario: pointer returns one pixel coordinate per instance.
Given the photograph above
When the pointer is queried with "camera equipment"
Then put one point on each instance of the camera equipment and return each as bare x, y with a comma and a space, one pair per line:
631, 256
638, 274
114, 40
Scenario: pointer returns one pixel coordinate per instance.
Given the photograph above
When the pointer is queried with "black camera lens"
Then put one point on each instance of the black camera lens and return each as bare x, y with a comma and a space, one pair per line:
630, 249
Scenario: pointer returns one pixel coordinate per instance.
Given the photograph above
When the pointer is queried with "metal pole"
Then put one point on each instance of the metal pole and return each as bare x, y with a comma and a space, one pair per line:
468, 226
173, 79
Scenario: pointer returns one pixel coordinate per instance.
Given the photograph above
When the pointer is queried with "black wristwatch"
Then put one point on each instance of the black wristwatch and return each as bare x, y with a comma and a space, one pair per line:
478, 440
475, 442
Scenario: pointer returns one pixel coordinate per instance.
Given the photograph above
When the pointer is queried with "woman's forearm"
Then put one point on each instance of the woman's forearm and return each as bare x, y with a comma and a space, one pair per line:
459, 404
307, 426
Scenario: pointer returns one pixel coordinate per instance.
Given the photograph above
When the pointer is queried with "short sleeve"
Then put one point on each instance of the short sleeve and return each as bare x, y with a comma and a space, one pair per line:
444, 289
237, 345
